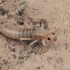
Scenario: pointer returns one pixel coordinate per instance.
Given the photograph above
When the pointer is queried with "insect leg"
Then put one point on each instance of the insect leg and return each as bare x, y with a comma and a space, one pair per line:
26, 39
33, 42
43, 42
42, 25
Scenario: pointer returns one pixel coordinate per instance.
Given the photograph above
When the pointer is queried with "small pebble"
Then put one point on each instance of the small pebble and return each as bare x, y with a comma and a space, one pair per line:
3, 10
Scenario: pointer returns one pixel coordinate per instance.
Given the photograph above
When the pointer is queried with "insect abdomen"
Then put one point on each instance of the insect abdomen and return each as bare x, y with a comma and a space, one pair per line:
18, 33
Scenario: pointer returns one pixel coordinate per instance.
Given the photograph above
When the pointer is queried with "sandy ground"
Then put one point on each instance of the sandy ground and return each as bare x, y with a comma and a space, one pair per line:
17, 55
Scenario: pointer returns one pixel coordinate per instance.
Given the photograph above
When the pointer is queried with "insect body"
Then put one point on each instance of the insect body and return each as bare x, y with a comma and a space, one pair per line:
22, 33
17, 33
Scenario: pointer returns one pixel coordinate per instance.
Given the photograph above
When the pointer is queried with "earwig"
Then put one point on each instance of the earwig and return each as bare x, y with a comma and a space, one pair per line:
27, 33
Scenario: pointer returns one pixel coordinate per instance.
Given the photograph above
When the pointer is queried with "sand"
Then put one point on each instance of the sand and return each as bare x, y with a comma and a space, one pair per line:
19, 55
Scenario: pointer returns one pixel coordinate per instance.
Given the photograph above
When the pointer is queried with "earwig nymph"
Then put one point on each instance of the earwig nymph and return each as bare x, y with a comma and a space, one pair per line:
27, 33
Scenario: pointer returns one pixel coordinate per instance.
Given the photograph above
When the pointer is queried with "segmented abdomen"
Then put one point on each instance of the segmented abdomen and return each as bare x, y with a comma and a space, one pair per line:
17, 33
